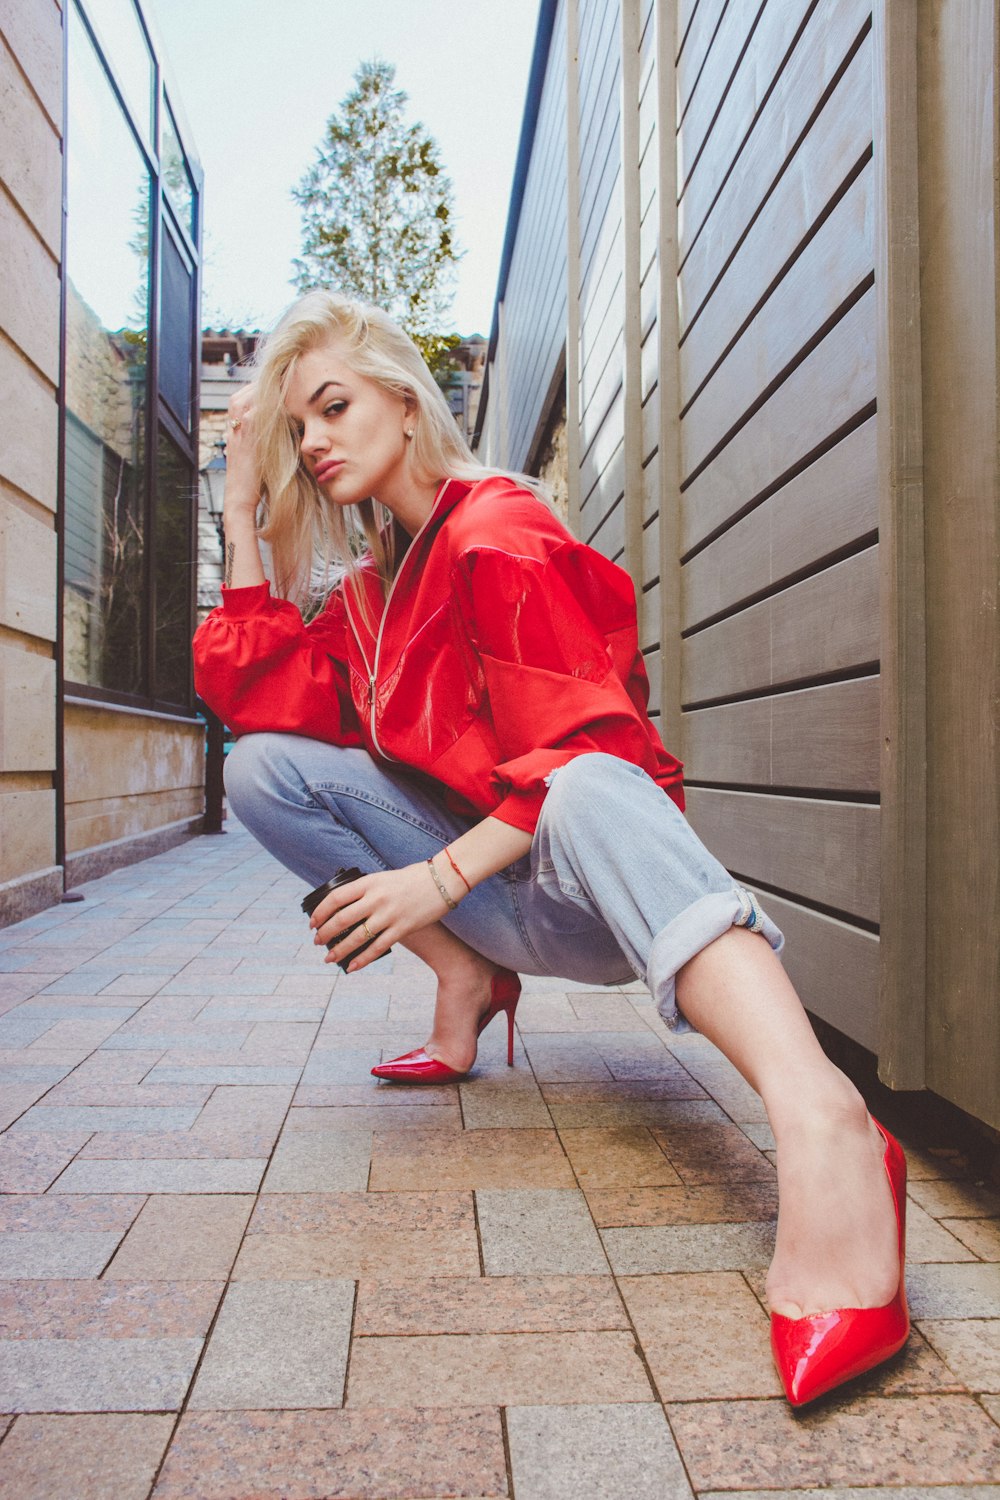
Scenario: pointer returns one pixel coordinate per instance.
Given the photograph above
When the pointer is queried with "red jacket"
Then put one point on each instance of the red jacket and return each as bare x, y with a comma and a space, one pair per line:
506, 647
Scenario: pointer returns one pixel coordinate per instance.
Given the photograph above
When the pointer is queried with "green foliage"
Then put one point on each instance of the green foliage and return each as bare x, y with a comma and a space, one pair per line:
377, 210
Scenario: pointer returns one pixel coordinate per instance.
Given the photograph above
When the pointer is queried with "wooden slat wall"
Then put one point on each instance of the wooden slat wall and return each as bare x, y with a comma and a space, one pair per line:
778, 533
535, 301
602, 281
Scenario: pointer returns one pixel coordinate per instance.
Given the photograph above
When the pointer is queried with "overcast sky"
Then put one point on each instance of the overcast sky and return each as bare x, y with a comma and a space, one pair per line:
257, 80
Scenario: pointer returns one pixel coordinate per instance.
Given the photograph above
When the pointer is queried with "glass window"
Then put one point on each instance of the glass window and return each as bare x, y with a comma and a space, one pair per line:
107, 325
176, 331
124, 45
176, 502
175, 172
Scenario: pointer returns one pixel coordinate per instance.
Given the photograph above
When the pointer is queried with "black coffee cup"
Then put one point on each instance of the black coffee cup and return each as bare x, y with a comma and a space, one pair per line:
310, 903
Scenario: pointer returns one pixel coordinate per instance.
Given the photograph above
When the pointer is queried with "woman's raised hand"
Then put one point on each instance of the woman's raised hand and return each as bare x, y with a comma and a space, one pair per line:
243, 565
242, 465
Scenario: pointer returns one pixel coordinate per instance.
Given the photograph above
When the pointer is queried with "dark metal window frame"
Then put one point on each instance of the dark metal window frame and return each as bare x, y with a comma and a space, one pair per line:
158, 415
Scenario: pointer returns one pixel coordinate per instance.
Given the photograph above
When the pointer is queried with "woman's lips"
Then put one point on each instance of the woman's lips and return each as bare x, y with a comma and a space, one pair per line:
327, 469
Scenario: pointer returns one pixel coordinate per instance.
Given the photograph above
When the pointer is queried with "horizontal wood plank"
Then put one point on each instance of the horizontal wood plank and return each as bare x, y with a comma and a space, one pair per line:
842, 126
825, 392
836, 261
817, 739
827, 853
733, 37
828, 623
765, 55
825, 508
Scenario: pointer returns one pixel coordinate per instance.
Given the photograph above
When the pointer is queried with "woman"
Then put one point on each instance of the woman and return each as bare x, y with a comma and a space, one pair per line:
464, 720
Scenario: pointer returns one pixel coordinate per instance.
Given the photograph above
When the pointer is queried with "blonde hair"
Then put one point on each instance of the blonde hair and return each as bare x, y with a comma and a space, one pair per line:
313, 543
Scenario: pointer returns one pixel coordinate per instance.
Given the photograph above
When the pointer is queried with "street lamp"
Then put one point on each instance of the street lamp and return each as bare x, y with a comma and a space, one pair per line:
214, 475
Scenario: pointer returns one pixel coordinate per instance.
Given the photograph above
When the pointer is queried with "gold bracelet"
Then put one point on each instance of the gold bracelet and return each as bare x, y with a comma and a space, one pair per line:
452, 905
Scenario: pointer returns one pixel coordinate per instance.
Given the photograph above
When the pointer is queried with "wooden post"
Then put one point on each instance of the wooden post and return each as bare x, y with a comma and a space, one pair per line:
668, 389
573, 263
903, 772
631, 223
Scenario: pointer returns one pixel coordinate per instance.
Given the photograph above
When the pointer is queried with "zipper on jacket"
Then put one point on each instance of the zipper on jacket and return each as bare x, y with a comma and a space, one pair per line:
372, 668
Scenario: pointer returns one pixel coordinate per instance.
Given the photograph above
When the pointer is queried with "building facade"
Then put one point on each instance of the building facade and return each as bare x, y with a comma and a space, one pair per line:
752, 249
101, 754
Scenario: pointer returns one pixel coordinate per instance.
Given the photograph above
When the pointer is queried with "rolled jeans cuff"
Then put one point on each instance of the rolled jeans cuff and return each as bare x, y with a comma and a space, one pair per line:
703, 922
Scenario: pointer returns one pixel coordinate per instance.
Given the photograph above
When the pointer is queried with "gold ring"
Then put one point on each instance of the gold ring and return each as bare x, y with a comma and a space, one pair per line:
235, 422
368, 932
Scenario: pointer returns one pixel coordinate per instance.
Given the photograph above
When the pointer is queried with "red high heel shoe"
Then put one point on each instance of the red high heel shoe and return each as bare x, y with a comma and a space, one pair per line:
815, 1354
419, 1067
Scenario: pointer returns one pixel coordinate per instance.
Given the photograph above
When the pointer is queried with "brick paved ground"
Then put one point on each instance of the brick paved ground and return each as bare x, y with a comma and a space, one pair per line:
235, 1266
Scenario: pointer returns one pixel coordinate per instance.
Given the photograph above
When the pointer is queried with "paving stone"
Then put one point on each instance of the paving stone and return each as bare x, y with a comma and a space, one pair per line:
929, 1240
982, 1236
554, 1060
278, 1345
179, 1145
876, 1492
246, 1105
446, 1160
626, 1156
750, 1445
30, 1161
704, 1336
375, 1117
107, 1310
93, 1457
513, 1103
133, 1039
970, 1347
353, 1066
364, 1096
955, 1200
320, 1161
18, 1099
218, 1176
677, 1085
488, 1304
504, 1369
41, 1073
124, 1096
84, 1008
101, 1213
249, 1073
656, 1114
183, 1239
689, 1247
64, 1118
713, 1153
293, 1236
733, 1203
533, 1232
339, 1455
52, 1252
622, 1452
954, 1291
50, 1375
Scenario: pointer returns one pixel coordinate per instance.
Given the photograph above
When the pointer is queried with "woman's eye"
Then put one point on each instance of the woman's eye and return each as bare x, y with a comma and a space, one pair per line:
334, 408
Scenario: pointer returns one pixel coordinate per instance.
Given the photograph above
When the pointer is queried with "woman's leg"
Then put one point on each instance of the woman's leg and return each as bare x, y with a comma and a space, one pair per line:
316, 807
610, 843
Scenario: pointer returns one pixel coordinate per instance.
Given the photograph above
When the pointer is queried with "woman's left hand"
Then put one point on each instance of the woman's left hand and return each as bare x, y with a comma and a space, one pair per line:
392, 903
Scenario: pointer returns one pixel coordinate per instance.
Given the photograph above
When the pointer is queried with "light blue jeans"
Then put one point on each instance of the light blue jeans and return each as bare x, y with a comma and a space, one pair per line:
616, 884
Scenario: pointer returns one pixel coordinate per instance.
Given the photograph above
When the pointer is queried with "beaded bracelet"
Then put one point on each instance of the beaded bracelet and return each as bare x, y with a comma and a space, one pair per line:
458, 872
452, 905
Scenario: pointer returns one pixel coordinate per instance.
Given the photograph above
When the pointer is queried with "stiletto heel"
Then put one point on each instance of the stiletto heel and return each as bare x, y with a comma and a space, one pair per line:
815, 1354
420, 1067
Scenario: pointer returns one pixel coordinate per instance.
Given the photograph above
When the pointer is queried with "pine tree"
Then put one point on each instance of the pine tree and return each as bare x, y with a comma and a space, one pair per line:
376, 211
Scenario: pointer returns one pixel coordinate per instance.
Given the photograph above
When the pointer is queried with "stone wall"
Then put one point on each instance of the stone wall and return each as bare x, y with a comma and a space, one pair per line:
31, 92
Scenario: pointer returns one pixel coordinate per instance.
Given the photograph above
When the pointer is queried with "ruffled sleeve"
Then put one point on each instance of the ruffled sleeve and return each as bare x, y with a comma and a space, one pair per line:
261, 669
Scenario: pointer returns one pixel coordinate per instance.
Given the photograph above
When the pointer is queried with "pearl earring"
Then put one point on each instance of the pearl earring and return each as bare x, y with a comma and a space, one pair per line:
408, 432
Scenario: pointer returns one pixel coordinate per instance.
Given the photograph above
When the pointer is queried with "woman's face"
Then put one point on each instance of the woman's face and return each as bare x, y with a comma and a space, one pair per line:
351, 431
